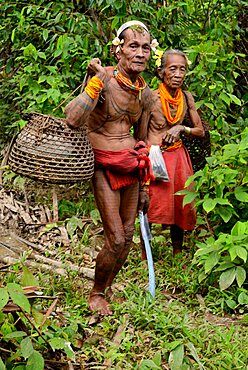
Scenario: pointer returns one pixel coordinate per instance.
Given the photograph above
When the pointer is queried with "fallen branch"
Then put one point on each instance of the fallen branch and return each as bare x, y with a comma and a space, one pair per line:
51, 262
86, 272
38, 248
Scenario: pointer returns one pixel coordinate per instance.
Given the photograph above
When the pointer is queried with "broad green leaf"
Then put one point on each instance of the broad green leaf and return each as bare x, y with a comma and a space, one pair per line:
57, 343
239, 228
42, 55
30, 50
176, 358
242, 253
72, 225
225, 213
223, 201
231, 303
28, 278
17, 296
15, 334
42, 79
26, 347
241, 194
189, 198
4, 297
240, 275
202, 276
209, 204
233, 252
6, 328
199, 103
235, 99
211, 261
226, 278
243, 298
2, 366
157, 358
225, 98
58, 53
35, 362
209, 105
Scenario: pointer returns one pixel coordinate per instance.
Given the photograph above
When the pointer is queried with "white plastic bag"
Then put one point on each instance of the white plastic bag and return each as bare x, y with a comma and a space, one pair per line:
158, 166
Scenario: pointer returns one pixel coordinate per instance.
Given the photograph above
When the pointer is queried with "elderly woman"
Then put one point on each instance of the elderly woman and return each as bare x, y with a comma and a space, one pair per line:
174, 115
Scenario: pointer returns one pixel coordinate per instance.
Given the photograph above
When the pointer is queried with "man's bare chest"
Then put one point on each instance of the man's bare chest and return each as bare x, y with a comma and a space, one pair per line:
116, 103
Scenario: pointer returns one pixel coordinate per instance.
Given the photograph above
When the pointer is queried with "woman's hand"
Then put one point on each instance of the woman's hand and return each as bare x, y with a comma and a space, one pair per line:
172, 135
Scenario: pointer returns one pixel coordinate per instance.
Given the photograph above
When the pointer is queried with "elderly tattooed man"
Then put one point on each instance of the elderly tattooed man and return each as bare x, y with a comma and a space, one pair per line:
114, 100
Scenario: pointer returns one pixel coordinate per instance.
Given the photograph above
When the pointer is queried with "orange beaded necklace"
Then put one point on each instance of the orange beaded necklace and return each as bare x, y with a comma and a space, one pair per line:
176, 102
126, 84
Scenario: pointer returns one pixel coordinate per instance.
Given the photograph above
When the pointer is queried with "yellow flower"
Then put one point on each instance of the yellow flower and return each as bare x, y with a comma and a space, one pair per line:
158, 55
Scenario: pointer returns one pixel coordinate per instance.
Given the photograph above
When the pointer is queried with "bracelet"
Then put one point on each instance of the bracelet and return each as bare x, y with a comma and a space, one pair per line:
94, 87
187, 130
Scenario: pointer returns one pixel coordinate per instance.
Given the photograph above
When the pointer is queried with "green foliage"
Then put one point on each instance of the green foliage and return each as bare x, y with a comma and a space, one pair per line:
26, 345
221, 197
221, 187
226, 258
47, 46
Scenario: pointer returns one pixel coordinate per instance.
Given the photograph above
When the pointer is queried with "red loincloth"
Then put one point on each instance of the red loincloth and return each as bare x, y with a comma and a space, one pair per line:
166, 207
124, 167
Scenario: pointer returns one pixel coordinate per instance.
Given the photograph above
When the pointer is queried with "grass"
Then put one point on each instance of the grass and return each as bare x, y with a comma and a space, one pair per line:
152, 331
185, 327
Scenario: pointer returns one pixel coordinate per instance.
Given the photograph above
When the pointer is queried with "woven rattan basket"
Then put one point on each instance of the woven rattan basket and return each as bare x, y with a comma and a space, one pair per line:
48, 150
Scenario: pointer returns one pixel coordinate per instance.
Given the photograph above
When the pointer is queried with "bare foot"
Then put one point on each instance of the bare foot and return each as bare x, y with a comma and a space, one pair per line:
97, 302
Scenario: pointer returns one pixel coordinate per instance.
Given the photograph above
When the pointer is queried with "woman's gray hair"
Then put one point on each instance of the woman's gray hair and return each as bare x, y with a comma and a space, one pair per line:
161, 69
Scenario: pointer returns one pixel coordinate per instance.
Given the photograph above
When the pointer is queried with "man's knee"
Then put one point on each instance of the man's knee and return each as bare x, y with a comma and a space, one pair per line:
116, 243
129, 231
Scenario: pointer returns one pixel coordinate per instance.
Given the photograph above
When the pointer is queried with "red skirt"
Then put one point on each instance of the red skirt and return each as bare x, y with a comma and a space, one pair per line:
166, 207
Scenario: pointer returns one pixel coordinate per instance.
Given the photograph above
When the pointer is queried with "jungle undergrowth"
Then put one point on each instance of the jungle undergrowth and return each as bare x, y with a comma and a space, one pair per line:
186, 326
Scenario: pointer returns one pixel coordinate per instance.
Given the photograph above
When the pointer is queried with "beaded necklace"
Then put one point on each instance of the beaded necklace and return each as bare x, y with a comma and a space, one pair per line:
126, 84
176, 102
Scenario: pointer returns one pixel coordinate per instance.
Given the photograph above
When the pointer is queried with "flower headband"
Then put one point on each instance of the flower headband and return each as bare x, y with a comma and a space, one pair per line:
117, 42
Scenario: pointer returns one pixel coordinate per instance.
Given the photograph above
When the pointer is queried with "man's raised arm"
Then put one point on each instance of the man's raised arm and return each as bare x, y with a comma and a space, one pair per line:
79, 109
